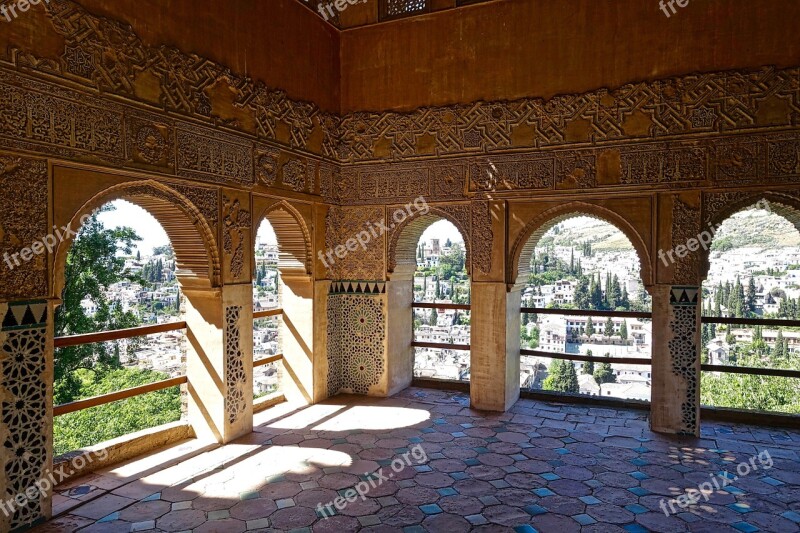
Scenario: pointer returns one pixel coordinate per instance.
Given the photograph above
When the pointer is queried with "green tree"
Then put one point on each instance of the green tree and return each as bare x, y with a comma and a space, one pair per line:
596, 294
609, 328
561, 377
589, 327
623, 330
581, 294
780, 346
93, 265
434, 317
604, 374
588, 366
97, 424
750, 298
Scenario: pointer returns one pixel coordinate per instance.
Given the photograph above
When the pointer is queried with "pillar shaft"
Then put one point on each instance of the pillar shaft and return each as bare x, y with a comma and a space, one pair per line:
400, 334
494, 358
297, 338
219, 361
676, 360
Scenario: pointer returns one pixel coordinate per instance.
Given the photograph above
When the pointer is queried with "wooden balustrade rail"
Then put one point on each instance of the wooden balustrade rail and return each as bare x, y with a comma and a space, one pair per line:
105, 336
104, 399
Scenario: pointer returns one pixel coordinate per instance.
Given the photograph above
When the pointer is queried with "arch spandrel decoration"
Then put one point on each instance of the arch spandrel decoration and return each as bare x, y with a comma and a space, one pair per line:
719, 206
404, 238
196, 252
293, 234
529, 237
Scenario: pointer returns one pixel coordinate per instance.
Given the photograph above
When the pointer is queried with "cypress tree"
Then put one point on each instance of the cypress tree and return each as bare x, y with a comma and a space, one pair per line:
609, 329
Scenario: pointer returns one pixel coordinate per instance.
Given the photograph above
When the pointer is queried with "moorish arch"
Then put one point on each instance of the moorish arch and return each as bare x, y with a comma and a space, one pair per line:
529, 237
719, 207
293, 235
405, 237
196, 253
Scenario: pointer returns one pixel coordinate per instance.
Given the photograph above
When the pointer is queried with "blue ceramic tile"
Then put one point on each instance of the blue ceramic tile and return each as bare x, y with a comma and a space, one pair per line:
458, 476
745, 527
430, 509
110, 518
589, 500
549, 476
525, 528
740, 507
639, 475
772, 481
639, 462
471, 462
535, 510
792, 515
635, 508
639, 491
543, 493
584, 519
635, 528
447, 491
458, 434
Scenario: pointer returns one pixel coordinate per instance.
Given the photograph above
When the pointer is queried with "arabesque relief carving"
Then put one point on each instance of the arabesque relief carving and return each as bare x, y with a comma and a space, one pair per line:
23, 221
691, 131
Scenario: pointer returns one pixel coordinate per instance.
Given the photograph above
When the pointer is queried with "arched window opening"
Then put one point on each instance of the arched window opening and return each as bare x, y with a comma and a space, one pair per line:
266, 301
441, 305
584, 301
120, 273
751, 307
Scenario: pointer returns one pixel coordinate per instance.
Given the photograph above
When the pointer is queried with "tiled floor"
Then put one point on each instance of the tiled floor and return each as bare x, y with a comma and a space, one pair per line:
428, 463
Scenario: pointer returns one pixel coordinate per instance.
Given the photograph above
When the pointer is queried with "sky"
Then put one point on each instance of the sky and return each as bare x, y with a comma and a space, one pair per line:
442, 230
153, 235
147, 227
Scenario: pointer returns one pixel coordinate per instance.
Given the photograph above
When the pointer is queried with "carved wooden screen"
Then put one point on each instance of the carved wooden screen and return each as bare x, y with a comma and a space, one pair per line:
392, 9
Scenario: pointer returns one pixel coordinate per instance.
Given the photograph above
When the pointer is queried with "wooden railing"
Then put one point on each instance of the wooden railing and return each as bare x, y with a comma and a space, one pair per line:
587, 313
769, 322
129, 333
106, 336
116, 396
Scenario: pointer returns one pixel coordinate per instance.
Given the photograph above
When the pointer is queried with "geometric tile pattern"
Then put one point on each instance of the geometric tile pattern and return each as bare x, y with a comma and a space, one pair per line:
539, 467
357, 287
235, 375
683, 350
23, 390
356, 334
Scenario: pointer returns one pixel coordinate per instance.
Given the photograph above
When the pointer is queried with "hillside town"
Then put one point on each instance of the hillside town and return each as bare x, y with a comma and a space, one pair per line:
157, 300
768, 276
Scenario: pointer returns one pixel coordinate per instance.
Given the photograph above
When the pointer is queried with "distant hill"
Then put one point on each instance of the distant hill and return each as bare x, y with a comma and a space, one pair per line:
755, 229
751, 229
576, 231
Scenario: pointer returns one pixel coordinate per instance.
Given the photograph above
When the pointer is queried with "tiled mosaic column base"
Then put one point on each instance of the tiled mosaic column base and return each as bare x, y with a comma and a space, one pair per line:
26, 419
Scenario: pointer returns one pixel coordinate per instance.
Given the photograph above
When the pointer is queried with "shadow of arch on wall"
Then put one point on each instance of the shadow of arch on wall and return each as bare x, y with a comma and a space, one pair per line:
529, 237
781, 204
293, 235
404, 239
196, 254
